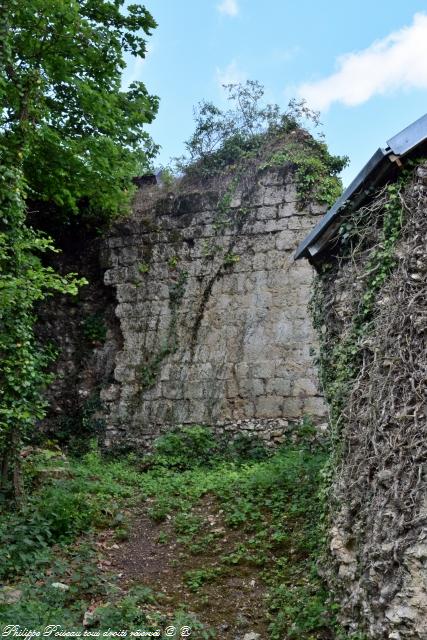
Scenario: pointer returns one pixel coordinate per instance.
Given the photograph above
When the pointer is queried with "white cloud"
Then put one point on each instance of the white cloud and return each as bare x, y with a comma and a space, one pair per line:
231, 74
229, 7
398, 61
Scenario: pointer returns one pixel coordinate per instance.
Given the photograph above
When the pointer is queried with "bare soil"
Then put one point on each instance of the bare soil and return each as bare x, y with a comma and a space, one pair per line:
232, 603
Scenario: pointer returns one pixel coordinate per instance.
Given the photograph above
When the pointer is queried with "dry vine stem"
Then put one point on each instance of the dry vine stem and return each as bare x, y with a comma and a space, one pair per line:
379, 506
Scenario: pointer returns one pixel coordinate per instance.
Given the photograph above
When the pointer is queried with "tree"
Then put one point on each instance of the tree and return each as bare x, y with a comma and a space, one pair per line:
251, 129
69, 136
81, 136
222, 136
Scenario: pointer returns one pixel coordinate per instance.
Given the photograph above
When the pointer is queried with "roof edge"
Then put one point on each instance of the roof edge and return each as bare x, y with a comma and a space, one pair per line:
356, 185
378, 168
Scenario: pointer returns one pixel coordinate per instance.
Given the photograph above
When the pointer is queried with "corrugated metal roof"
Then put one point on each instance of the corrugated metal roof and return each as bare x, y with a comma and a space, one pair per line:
380, 166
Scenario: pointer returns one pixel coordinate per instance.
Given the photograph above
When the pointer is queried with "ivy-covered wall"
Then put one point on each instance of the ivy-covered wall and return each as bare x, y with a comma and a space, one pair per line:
213, 308
370, 310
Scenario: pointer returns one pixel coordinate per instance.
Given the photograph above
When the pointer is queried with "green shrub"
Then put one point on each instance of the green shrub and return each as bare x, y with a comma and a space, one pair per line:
245, 447
196, 578
67, 510
223, 137
185, 448
40, 607
57, 514
25, 539
58, 511
127, 612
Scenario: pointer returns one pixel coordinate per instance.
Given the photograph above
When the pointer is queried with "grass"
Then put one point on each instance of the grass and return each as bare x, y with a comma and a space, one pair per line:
264, 506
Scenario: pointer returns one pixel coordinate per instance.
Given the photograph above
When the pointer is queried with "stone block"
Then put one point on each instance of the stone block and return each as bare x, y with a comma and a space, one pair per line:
242, 409
171, 390
114, 276
304, 223
258, 262
126, 292
286, 241
241, 369
251, 387
259, 227
292, 407
269, 406
286, 210
315, 406
278, 386
231, 389
263, 243
123, 373
131, 357
273, 226
262, 369
305, 387
272, 196
128, 255
115, 241
317, 209
236, 199
291, 194
266, 213
222, 370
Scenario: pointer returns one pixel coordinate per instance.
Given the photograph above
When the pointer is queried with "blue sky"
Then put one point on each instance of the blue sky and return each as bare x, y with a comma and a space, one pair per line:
363, 64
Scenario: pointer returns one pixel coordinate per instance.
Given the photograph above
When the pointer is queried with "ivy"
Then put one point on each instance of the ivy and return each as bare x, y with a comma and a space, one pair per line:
383, 259
316, 170
24, 281
340, 360
94, 328
231, 258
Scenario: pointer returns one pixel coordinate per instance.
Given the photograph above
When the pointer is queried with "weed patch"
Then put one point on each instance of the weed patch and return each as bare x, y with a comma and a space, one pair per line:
237, 536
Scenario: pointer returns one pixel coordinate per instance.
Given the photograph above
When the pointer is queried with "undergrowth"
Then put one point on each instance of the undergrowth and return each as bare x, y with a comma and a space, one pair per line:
270, 499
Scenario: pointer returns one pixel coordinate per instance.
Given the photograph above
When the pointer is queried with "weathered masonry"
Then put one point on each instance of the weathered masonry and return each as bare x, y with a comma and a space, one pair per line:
370, 308
212, 310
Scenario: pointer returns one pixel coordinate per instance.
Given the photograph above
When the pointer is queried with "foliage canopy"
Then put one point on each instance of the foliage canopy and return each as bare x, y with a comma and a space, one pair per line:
82, 137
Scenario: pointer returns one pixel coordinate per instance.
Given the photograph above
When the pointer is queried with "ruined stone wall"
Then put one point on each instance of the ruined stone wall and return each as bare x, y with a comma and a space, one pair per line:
374, 365
86, 336
212, 311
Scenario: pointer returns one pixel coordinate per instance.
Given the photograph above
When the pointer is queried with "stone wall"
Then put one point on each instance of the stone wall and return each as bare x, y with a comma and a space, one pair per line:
212, 311
374, 369
86, 361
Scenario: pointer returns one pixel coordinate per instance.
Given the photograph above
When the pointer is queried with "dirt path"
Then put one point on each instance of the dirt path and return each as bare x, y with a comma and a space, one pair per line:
229, 599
